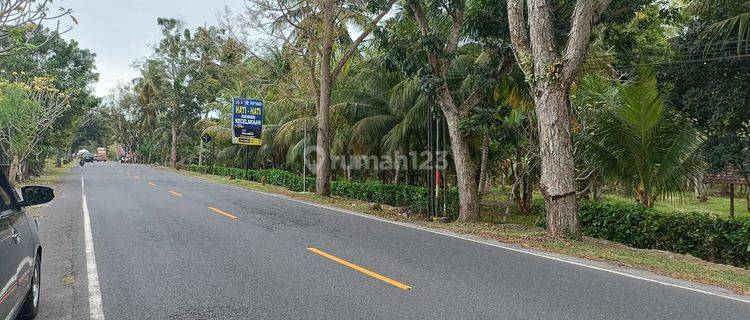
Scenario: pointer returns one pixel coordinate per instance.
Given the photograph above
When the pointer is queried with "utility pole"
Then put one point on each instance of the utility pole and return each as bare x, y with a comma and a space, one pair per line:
247, 160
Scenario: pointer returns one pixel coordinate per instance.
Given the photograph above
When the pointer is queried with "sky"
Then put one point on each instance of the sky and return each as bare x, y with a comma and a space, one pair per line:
122, 31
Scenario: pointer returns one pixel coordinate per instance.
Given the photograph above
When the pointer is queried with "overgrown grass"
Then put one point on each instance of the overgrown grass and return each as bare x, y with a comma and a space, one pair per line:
51, 174
517, 229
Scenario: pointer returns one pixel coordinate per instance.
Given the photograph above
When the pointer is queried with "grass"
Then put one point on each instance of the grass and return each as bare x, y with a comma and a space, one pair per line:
51, 174
518, 229
718, 205
49, 177
685, 202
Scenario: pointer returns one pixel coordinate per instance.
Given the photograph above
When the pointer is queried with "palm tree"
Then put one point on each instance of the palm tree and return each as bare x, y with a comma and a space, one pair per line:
728, 24
635, 139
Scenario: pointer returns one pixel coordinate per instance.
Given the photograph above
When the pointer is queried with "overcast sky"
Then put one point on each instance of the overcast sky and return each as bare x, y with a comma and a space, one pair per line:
121, 31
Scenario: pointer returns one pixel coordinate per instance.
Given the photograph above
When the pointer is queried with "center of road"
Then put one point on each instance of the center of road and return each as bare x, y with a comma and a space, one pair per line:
360, 269
223, 213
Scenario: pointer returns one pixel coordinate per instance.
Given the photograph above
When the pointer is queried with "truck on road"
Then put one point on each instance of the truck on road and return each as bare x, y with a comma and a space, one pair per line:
101, 154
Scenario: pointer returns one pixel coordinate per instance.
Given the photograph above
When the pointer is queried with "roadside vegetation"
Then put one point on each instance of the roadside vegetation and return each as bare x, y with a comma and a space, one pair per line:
45, 88
633, 128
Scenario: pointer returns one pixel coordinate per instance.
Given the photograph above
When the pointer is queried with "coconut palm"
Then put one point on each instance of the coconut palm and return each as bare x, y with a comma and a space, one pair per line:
729, 24
636, 140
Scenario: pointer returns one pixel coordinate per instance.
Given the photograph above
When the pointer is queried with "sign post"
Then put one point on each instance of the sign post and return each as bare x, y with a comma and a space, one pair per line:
207, 139
247, 124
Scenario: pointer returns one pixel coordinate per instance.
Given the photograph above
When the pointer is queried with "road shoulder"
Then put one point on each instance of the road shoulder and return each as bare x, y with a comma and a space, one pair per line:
60, 231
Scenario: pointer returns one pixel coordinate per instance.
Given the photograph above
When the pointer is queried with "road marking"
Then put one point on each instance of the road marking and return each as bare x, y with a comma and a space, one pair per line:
496, 244
95, 295
175, 194
223, 213
152, 184
137, 177
360, 269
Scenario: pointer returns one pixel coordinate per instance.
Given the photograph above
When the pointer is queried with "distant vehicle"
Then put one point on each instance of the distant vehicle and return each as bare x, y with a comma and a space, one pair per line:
101, 154
21, 251
87, 157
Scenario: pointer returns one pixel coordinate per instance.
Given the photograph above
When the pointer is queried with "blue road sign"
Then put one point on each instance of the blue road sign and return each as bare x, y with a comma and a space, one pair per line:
247, 121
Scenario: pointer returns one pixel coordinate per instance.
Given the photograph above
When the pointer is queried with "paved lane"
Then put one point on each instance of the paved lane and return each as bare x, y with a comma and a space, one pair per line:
162, 252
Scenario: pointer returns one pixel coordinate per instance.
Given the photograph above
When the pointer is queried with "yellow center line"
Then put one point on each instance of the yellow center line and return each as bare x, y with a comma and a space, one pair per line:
152, 184
175, 194
137, 177
360, 269
223, 213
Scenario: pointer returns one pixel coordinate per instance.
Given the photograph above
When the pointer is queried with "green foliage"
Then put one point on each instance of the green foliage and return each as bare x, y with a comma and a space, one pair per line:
65, 67
642, 39
635, 139
18, 118
412, 197
726, 24
701, 235
716, 94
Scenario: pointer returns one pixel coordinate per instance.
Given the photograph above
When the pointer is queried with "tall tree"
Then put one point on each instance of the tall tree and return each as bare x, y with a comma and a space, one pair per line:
317, 28
459, 79
175, 57
27, 112
549, 73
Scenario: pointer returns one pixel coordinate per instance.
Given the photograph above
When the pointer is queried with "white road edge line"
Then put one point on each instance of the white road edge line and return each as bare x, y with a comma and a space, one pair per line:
497, 245
95, 295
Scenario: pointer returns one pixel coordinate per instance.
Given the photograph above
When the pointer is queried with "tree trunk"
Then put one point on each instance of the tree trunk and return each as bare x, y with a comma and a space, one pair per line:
516, 193
173, 153
200, 153
596, 189
700, 189
13, 170
58, 158
557, 167
323, 171
468, 196
483, 167
527, 195
396, 169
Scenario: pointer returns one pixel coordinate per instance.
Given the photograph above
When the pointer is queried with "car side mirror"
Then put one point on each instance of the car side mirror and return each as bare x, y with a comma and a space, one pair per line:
36, 195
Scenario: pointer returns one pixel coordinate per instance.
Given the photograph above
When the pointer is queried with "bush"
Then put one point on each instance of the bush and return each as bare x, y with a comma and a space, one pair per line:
413, 197
701, 235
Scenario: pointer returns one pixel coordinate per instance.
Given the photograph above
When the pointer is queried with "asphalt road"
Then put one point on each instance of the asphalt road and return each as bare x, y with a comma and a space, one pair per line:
162, 252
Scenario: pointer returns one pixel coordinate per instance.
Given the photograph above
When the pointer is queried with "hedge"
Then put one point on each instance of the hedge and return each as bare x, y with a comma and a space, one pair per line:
414, 198
701, 235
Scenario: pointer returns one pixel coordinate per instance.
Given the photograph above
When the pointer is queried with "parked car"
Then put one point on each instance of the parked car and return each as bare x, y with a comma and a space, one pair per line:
20, 251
